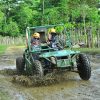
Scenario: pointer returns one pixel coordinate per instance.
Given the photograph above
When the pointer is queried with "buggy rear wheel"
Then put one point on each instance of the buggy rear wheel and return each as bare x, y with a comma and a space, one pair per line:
83, 66
38, 69
20, 64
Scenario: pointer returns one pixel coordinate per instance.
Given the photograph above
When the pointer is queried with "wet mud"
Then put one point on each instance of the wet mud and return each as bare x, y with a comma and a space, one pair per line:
54, 86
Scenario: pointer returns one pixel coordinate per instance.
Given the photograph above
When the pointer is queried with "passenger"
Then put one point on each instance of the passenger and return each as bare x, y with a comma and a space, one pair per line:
53, 39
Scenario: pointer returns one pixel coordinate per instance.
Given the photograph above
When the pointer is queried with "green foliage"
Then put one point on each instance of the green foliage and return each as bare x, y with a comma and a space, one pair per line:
1, 19
88, 50
69, 25
23, 17
23, 13
59, 29
12, 29
2, 48
1, 16
93, 15
52, 16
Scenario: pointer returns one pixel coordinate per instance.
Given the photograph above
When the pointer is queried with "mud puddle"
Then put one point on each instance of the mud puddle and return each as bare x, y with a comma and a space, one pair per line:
55, 86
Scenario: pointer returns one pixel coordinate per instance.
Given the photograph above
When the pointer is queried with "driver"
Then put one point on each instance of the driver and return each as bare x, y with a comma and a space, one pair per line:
35, 41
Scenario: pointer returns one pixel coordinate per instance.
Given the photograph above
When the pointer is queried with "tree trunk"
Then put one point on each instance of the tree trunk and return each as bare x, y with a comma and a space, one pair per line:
98, 38
89, 37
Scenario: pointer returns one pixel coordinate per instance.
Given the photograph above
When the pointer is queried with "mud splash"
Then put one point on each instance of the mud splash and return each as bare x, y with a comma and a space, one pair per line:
49, 79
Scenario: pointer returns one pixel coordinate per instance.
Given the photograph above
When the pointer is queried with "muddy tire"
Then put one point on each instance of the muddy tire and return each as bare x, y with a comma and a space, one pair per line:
83, 66
20, 64
38, 69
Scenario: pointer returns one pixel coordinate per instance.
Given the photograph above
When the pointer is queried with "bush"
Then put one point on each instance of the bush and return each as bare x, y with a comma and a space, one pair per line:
12, 29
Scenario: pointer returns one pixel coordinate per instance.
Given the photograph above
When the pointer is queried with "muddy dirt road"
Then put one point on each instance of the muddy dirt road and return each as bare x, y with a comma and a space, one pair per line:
70, 86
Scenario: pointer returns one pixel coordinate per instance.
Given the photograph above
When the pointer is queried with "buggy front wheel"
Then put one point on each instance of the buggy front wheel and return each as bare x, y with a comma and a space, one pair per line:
38, 69
83, 66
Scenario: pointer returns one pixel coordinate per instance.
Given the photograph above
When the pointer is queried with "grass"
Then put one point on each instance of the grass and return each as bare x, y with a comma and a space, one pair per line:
4, 95
2, 48
88, 50
83, 50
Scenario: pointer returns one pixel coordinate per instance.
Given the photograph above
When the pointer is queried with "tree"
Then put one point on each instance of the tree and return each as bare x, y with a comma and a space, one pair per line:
1, 19
12, 29
23, 17
42, 12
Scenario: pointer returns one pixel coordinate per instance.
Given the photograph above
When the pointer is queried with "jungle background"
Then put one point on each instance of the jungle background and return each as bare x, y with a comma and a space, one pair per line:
81, 18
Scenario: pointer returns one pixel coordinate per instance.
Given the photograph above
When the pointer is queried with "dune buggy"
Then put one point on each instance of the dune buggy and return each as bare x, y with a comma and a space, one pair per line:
50, 59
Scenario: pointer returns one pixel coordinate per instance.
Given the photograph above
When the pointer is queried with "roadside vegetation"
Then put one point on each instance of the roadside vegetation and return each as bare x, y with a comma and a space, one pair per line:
88, 50
83, 50
81, 19
3, 48
16, 15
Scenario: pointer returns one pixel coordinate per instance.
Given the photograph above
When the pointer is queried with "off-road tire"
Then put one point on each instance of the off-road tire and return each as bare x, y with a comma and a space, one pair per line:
20, 65
38, 69
83, 66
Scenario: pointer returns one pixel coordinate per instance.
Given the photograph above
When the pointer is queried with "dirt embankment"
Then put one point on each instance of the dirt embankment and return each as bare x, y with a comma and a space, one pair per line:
66, 86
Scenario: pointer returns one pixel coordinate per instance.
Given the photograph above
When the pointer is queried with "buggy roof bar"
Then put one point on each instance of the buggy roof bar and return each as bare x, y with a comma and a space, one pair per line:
46, 26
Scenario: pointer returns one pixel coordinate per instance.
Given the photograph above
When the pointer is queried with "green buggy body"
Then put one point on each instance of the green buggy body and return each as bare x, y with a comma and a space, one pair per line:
50, 59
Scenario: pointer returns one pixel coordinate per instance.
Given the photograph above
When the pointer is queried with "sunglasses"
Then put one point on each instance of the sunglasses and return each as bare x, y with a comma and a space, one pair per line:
37, 38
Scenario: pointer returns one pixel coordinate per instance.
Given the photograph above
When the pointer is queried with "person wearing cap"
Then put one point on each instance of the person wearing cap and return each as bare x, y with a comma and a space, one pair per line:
35, 41
35, 44
53, 39
52, 34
